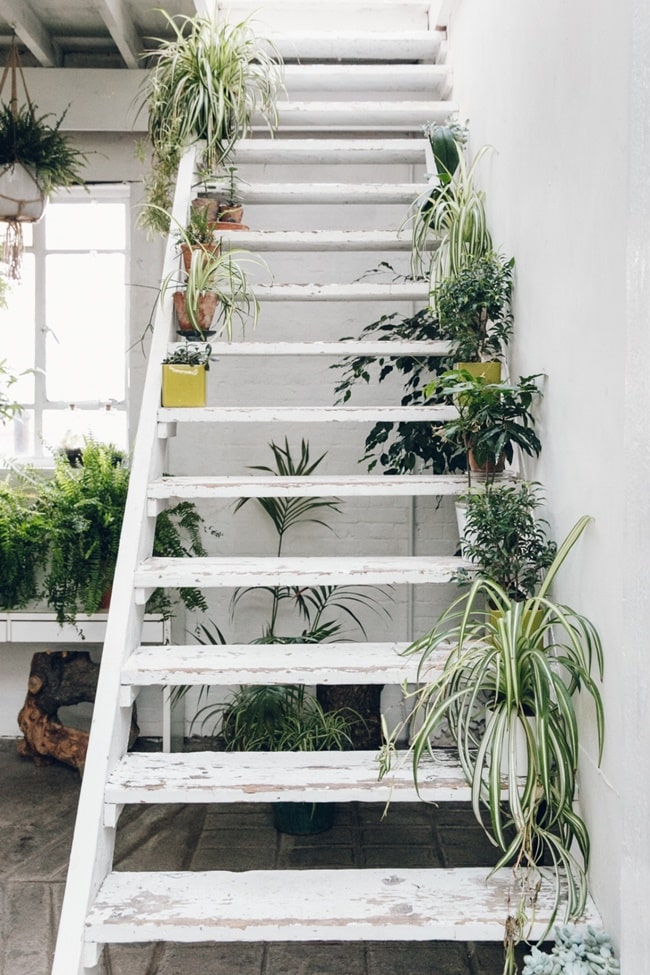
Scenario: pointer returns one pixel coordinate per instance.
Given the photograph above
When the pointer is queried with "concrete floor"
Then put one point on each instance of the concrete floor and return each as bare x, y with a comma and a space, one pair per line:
37, 811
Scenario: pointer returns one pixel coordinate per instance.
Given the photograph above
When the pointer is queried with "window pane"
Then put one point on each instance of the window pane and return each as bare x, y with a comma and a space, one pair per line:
17, 331
86, 338
69, 427
17, 436
89, 225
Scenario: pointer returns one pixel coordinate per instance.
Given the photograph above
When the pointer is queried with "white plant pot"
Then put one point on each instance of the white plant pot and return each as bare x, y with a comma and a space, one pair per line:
21, 198
520, 746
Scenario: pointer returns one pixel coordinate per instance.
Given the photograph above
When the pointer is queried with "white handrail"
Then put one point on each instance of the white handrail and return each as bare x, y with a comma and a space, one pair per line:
93, 843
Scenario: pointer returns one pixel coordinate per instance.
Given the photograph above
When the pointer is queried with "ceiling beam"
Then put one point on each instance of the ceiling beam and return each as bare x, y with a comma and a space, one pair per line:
30, 30
122, 30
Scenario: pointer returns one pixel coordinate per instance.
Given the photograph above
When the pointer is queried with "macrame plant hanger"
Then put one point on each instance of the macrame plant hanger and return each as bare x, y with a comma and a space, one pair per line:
21, 198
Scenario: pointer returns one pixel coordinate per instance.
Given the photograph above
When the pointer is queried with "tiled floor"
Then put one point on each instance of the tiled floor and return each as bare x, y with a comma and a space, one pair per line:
37, 819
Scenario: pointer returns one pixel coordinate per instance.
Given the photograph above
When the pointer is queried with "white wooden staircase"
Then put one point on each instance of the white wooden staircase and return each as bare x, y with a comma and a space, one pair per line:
402, 87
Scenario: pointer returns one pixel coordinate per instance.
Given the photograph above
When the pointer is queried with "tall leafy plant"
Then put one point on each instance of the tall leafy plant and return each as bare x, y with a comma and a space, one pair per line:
23, 545
401, 448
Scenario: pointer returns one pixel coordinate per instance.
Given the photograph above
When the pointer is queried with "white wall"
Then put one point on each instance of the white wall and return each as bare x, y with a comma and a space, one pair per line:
546, 83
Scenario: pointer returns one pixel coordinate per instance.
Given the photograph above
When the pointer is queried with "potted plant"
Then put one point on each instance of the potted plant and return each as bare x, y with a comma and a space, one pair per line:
216, 293
282, 718
205, 85
184, 375
527, 662
35, 159
473, 308
577, 950
453, 211
199, 233
222, 198
82, 509
23, 546
505, 539
493, 419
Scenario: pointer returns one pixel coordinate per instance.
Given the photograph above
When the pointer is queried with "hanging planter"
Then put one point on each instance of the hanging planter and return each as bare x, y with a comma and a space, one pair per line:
35, 160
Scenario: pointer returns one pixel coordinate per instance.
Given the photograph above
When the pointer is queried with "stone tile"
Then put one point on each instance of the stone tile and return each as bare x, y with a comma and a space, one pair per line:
467, 848
401, 856
418, 958
315, 857
160, 837
394, 833
211, 959
404, 813
233, 857
315, 958
129, 959
28, 929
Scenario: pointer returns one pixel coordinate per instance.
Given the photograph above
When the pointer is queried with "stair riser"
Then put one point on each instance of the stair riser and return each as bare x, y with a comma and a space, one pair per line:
359, 116
320, 152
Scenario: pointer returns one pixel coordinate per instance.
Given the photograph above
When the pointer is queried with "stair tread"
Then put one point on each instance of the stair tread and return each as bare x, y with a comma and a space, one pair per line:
360, 348
258, 486
339, 193
308, 905
357, 291
212, 777
303, 663
312, 571
306, 414
350, 151
319, 240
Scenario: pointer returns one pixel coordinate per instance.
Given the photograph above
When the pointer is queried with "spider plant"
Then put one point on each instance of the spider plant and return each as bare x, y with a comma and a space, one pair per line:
224, 277
455, 214
205, 85
526, 661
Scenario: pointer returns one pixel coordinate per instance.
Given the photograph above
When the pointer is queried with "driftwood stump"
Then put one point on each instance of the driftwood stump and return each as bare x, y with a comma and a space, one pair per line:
57, 679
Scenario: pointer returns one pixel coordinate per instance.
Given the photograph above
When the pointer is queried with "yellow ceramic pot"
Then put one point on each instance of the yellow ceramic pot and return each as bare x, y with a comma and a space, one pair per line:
183, 385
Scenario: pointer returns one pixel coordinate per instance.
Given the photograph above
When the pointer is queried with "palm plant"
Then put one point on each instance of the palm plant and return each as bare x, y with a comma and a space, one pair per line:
205, 85
526, 661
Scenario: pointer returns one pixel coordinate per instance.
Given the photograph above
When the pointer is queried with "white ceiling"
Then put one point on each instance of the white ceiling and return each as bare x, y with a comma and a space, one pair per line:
84, 33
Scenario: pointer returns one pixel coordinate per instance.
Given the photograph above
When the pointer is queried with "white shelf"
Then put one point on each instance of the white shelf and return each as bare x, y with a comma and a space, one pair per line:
32, 627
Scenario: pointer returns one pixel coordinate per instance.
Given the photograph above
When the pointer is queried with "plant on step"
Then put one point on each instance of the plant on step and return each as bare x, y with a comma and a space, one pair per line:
578, 950
313, 614
473, 308
525, 663
505, 539
493, 419
82, 509
23, 545
454, 215
447, 140
190, 354
204, 86
404, 447
223, 191
217, 292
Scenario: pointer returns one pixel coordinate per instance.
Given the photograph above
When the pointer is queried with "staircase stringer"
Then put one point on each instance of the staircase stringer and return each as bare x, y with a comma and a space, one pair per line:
93, 844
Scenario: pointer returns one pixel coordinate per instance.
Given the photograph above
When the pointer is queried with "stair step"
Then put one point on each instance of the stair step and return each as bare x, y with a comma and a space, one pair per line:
414, 45
355, 485
290, 663
320, 240
311, 905
359, 291
306, 414
319, 571
323, 151
339, 193
211, 777
432, 79
385, 350
359, 115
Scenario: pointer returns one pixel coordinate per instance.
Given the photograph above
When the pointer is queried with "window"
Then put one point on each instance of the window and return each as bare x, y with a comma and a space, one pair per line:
66, 321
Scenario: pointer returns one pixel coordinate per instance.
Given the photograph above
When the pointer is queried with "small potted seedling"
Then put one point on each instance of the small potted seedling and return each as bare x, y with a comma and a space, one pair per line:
184, 375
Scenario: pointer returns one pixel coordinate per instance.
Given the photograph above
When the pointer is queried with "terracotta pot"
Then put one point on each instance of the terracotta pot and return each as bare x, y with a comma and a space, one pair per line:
222, 225
205, 311
230, 214
206, 203
489, 467
187, 250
